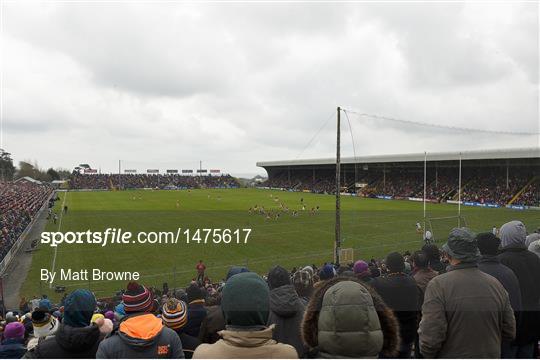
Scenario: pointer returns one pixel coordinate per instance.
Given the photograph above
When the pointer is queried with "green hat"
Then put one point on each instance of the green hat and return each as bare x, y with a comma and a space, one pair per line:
462, 245
245, 300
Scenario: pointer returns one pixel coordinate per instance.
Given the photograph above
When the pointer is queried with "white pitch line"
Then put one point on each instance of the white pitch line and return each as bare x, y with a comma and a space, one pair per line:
59, 226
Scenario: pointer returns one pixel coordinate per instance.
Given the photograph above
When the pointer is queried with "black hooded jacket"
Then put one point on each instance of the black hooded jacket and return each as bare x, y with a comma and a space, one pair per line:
68, 343
287, 311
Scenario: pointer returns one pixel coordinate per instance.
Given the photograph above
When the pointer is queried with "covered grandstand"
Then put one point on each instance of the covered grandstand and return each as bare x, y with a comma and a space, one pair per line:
505, 177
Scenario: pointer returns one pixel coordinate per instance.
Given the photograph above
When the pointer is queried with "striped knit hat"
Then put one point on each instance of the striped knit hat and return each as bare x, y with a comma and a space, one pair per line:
174, 314
137, 298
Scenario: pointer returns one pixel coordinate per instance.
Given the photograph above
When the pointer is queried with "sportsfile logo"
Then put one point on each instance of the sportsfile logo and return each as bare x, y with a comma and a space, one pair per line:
119, 236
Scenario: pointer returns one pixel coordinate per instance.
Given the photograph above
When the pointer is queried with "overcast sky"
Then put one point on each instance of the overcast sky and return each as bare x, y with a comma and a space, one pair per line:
164, 85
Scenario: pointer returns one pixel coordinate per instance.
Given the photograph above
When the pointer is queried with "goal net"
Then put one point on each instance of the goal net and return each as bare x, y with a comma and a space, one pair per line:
346, 256
440, 227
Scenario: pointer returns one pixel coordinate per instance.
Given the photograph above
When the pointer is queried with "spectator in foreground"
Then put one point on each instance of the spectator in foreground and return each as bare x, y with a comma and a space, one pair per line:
140, 334
174, 316
303, 284
345, 319
534, 247
245, 304
421, 270
196, 310
526, 266
362, 272
488, 244
76, 336
466, 313
286, 309
12, 346
400, 292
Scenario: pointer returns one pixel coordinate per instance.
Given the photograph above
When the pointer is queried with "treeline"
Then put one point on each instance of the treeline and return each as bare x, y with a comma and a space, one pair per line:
9, 172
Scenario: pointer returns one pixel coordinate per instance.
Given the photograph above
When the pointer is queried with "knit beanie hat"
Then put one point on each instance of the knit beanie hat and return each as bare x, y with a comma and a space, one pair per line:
488, 243
360, 267
278, 276
236, 270
245, 301
395, 262
531, 238
535, 247
303, 279
95, 317
43, 323
513, 233
137, 298
174, 314
109, 315
78, 308
327, 272
14, 330
194, 292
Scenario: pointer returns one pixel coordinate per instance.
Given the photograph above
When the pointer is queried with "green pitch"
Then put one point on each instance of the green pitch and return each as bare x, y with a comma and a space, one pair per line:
372, 227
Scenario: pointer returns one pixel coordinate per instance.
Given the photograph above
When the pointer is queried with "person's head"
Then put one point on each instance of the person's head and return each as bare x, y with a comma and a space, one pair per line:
43, 323
245, 301
194, 293
236, 270
79, 307
513, 234
45, 304
327, 272
346, 318
535, 247
174, 314
420, 260
361, 268
488, 243
461, 246
277, 277
303, 282
200, 261
14, 330
138, 298
395, 262
432, 252
531, 238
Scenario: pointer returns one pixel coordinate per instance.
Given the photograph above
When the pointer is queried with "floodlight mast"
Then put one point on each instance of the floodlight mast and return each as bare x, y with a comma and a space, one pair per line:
338, 190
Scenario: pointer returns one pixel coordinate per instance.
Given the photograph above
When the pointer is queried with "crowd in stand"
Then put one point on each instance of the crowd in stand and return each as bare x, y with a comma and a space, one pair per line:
477, 186
19, 203
477, 297
150, 181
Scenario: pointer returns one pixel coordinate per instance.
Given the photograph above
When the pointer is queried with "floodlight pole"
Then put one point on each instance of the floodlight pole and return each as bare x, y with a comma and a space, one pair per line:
338, 190
425, 183
459, 193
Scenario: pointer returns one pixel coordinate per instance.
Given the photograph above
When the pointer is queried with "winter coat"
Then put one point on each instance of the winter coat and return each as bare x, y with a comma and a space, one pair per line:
466, 314
196, 315
244, 345
68, 342
286, 312
141, 336
346, 319
526, 267
213, 323
12, 349
492, 265
402, 295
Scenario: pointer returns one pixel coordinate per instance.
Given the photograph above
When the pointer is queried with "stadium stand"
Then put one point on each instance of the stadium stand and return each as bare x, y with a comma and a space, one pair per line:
153, 181
501, 178
19, 203
407, 293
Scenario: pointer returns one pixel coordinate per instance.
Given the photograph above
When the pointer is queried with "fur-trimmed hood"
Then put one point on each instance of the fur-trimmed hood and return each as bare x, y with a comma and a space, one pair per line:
346, 318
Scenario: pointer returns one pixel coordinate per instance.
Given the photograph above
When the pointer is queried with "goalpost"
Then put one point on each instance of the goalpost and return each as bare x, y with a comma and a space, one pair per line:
440, 227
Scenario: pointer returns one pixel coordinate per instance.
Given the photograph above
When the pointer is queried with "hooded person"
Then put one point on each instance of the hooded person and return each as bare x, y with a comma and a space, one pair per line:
140, 334
534, 247
286, 309
76, 337
174, 315
44, 325
526, 267
481, 315
246, 305
531, 238
346, 319
214, 321
12, 346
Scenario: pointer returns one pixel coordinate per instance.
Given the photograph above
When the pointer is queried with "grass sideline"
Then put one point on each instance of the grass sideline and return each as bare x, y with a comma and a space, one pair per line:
372, 227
